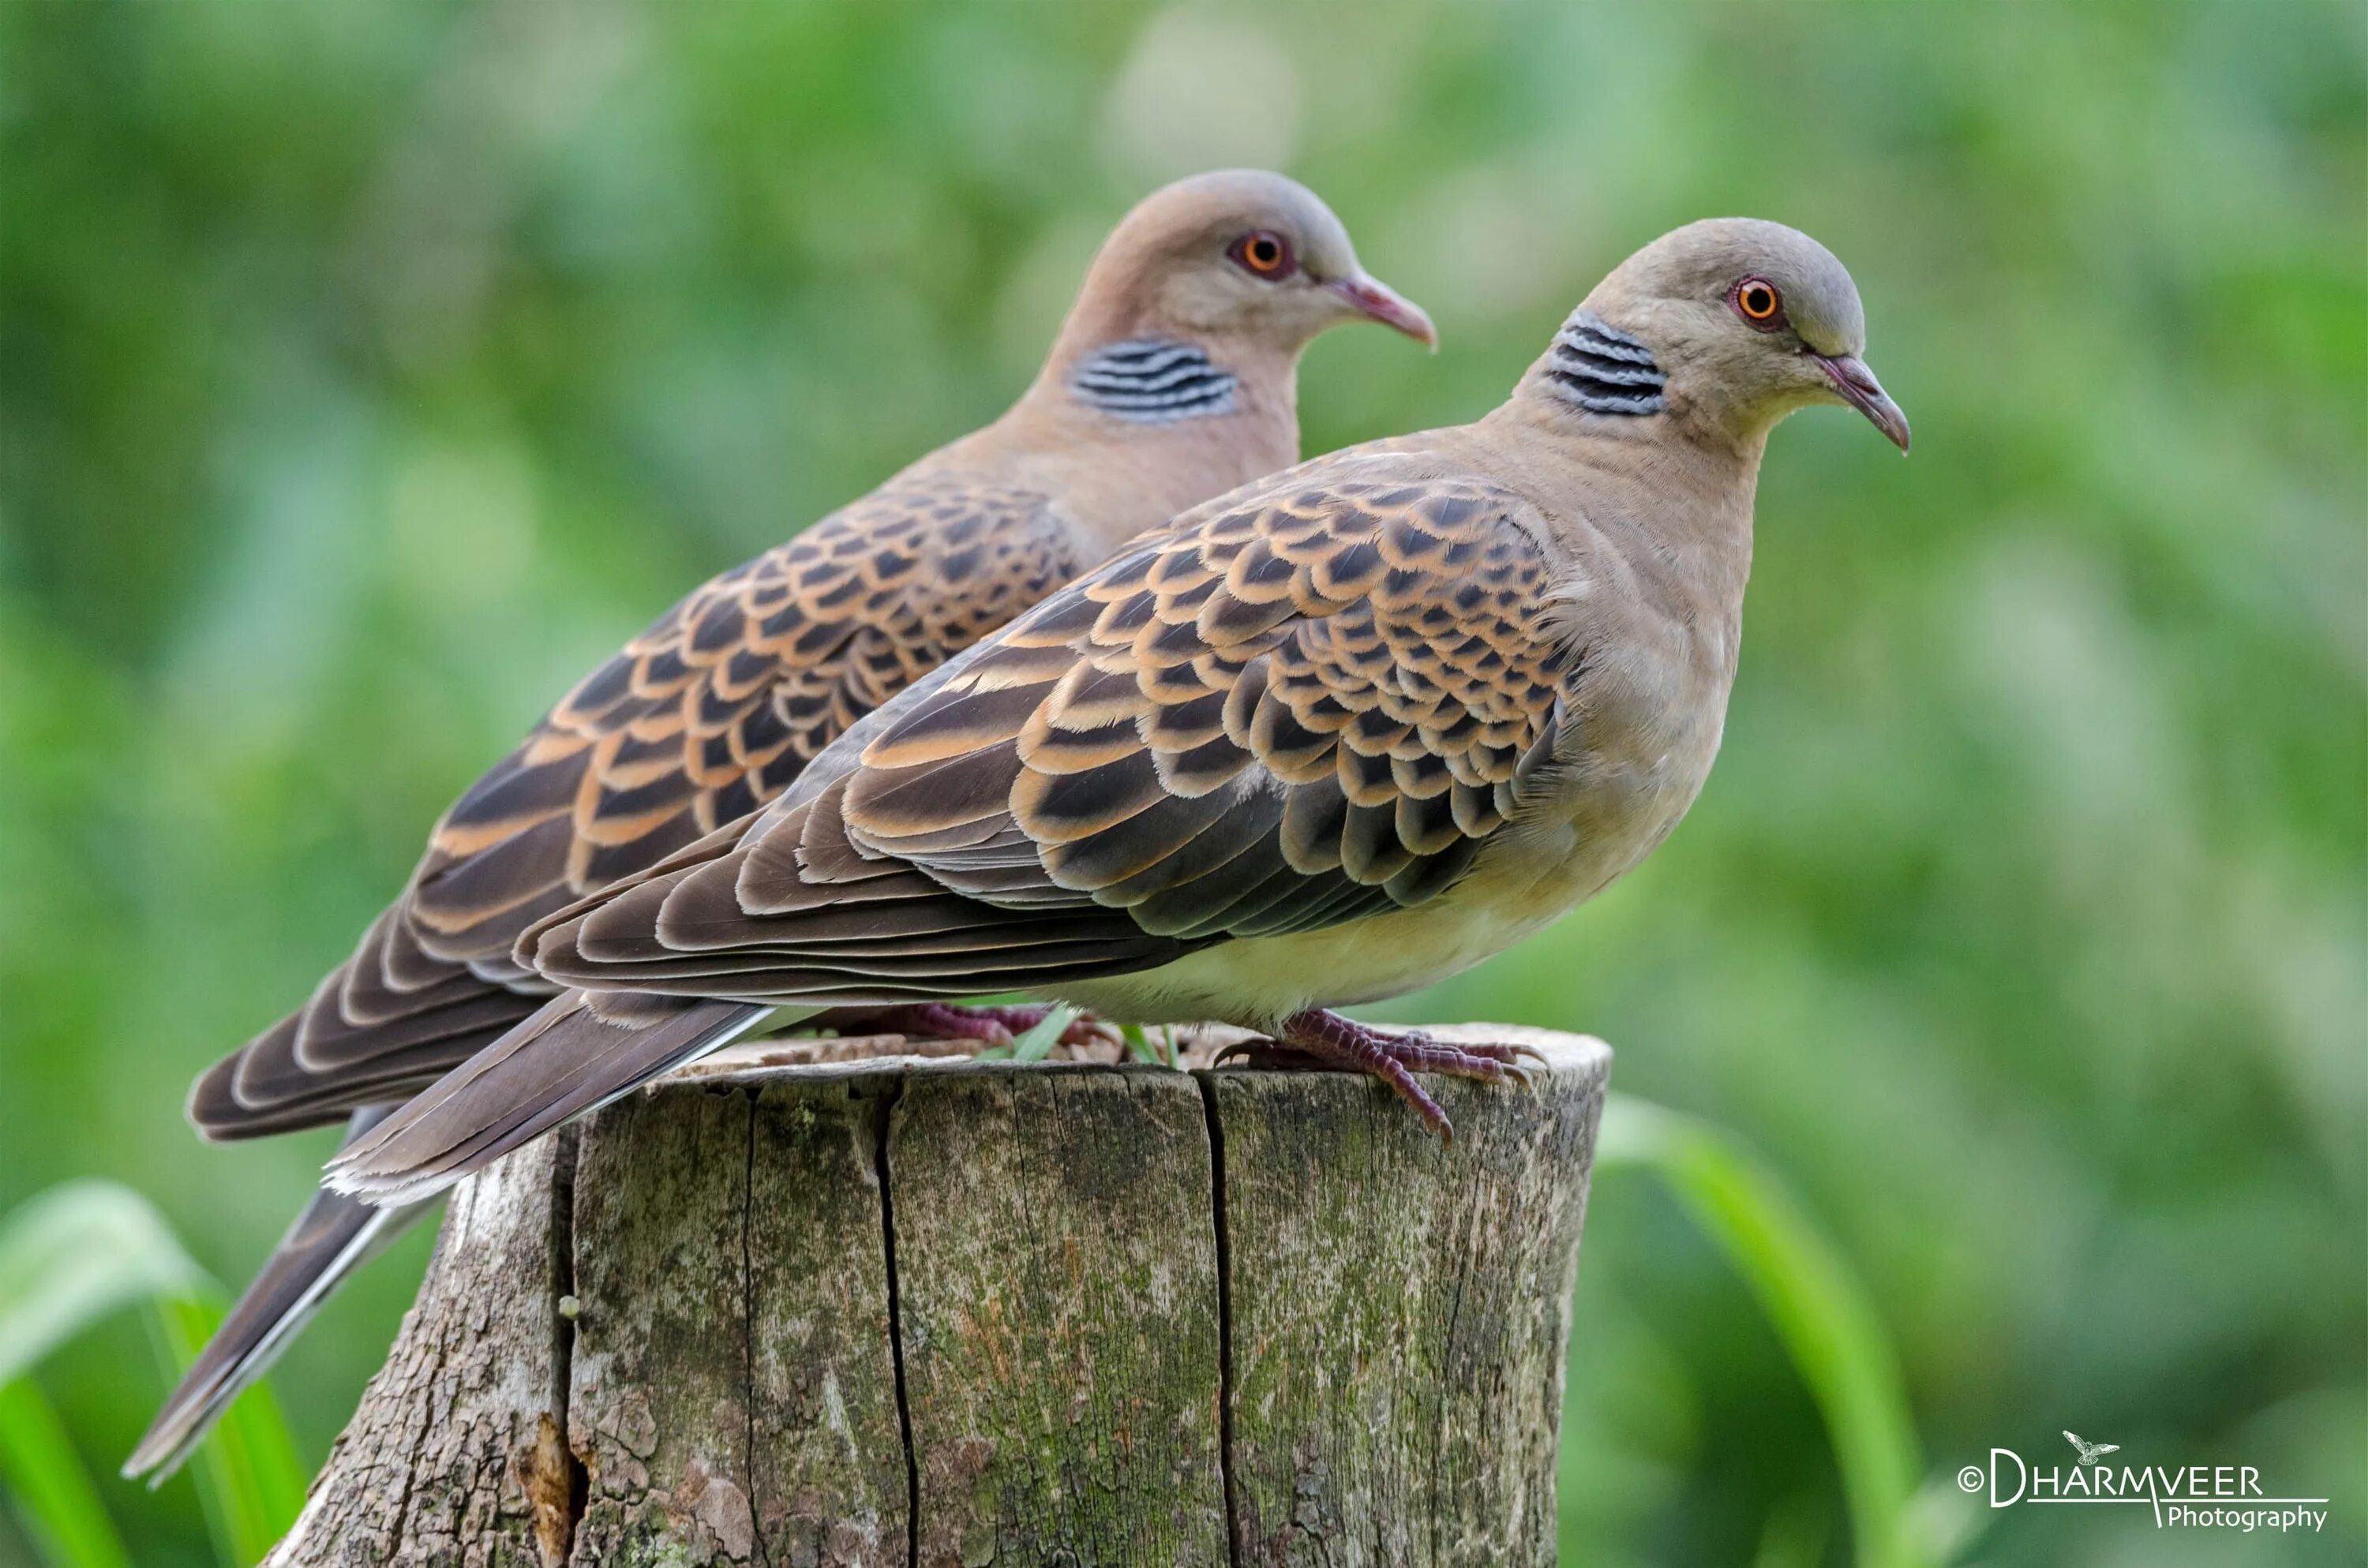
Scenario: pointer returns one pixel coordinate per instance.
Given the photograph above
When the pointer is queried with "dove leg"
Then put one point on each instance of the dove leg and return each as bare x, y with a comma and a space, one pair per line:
1322, 1039
941, 1020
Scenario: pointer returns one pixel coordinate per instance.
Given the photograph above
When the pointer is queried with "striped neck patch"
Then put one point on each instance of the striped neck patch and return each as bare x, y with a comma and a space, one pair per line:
1152, 380
1603, 370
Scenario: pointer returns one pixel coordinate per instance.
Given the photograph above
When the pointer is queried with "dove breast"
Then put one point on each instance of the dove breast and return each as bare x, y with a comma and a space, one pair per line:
1639, 711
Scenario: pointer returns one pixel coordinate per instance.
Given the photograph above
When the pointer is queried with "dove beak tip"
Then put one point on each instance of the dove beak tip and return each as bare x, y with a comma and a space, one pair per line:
1369, 296
1856, 383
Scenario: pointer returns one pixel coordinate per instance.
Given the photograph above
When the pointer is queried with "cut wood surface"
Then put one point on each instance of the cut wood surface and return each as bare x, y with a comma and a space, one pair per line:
900, 1311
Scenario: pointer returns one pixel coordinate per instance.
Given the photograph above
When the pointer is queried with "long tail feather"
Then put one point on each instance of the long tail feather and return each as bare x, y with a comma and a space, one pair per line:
332, 1237
574, 1056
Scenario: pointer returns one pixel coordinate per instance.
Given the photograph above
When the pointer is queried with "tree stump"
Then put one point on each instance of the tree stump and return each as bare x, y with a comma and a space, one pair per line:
922, 1312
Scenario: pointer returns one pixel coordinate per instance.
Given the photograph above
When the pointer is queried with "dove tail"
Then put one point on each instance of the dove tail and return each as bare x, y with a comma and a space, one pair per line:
579, 1052
332, 1236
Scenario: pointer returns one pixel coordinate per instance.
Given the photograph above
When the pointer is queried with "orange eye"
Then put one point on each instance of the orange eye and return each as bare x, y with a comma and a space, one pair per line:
1758, 302
1263, 254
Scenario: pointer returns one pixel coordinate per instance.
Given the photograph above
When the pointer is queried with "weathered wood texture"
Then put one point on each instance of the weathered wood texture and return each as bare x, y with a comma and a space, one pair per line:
900, 1313
1399, 1309
455, 1455
733, 1375
1057, 1288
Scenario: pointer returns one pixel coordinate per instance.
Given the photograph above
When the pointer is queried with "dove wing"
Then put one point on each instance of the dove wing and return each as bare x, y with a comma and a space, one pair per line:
694, 723
1305, 703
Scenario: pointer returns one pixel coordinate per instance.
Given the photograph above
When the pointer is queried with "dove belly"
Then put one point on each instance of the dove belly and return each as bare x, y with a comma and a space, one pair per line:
1258, 982
1605, 824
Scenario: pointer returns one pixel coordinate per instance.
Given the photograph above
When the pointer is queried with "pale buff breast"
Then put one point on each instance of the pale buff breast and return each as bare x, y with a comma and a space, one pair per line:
1585, 838
1650, 711
1525, 884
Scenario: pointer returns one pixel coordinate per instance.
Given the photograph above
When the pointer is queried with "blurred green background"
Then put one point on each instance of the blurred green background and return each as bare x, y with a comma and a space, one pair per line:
367, 371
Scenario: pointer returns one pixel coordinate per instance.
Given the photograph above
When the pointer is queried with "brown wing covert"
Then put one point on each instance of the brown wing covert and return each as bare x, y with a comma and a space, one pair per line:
1312, 705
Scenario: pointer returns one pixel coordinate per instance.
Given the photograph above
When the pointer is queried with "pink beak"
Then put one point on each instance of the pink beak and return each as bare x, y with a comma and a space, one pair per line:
1862, 392
1386, 305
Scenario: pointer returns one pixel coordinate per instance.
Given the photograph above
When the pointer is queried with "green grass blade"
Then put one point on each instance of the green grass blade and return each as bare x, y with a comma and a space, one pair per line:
68, 1258
73, 1254
1138, 1045
1821, 1314
249, 1477
53, 1492
1038, 1042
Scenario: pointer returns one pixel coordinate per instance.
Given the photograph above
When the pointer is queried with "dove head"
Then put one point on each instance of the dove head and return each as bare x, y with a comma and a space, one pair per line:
1243, 263
1730, 324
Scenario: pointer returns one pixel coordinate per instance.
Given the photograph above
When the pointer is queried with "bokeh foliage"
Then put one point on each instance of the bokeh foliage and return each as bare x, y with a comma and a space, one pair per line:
369, 370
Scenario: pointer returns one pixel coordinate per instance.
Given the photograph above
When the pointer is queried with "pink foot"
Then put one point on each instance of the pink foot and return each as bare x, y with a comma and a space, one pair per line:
1324, 1040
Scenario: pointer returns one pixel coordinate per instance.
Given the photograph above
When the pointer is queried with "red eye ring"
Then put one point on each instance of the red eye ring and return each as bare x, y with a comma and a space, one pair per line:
1759, 302
1262, 253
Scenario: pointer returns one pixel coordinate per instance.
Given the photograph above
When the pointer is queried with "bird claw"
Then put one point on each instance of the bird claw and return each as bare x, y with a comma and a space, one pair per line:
1086, 1028
1271, 1053
1506, 1053
1325, 1041
1421, 1052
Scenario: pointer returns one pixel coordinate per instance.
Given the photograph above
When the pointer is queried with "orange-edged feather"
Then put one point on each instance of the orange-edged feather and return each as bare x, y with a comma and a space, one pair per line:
1309, 702
698, 722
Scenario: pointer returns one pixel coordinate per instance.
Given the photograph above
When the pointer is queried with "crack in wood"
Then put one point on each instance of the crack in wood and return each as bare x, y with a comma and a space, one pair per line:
748, 1342
556, 1482
1225, 1315
887, 1116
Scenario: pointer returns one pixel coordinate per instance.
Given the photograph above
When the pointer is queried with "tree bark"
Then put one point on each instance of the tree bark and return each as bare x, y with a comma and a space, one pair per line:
906, 1311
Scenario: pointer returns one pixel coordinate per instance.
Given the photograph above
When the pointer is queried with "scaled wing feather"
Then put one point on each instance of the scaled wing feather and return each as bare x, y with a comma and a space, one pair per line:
706, 715
1308, 703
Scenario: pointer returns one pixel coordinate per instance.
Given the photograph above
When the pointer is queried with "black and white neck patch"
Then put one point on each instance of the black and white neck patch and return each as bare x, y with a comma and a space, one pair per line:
1603, 370
1152, 380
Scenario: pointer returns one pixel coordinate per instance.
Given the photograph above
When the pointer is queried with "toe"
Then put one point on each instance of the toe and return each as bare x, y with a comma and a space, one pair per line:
1506, 1053
1085, 1030
1270, 1055
1393, 1072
